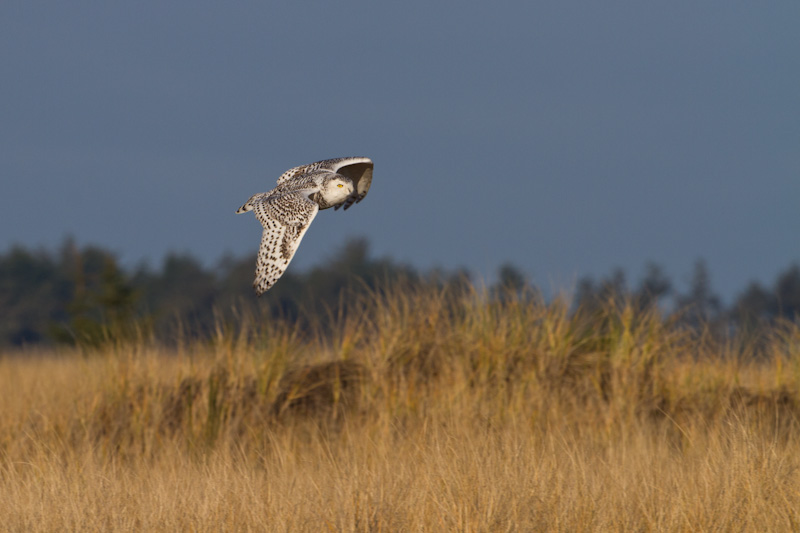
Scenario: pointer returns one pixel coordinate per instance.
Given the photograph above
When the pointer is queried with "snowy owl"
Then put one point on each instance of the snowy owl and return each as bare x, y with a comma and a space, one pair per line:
287, 210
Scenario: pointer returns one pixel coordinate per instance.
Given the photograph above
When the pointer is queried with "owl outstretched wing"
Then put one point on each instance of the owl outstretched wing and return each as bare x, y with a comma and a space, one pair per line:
285, 218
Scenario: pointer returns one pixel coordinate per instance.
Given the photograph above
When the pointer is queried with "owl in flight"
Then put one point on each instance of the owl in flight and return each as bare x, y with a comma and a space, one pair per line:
287, 210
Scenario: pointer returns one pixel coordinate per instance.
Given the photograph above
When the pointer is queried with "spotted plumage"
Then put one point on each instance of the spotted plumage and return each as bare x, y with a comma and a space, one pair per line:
286, 211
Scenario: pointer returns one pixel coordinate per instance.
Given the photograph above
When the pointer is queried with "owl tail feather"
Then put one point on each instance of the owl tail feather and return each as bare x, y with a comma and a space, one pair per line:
245, 208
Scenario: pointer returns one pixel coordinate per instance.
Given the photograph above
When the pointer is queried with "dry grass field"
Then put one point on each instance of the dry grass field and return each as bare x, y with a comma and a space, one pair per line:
422, 412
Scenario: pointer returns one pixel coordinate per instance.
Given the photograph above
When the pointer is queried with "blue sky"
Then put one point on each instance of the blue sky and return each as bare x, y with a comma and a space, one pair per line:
568, 138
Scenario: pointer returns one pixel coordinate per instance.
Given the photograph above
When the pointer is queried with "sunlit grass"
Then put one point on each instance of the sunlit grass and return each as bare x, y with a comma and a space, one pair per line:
419, 409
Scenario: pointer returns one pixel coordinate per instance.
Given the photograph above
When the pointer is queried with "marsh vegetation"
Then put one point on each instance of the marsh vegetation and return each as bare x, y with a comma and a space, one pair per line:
421, 407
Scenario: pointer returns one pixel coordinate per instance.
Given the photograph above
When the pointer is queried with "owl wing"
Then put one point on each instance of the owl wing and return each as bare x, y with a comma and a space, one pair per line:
296, 171
358, 169
285, 218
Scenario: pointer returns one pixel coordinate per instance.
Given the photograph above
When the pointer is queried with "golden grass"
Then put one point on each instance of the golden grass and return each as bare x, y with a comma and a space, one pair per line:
424, 411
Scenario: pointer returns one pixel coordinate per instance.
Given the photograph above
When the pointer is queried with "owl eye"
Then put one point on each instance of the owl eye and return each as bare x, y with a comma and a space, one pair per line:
340, 185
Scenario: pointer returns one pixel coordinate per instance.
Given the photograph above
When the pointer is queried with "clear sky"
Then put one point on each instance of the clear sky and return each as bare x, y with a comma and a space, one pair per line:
565, 137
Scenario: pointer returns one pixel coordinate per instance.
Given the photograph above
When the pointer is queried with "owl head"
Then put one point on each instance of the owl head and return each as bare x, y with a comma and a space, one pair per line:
336, 190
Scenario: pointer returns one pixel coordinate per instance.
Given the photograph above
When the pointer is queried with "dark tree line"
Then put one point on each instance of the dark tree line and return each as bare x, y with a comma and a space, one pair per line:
757, 306
82, 295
